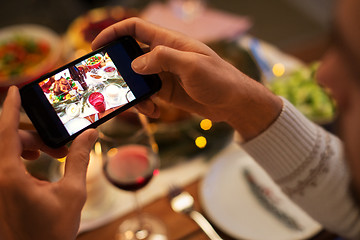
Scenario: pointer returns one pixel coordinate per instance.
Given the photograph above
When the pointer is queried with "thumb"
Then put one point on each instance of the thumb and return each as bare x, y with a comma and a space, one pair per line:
163, 59
78, 157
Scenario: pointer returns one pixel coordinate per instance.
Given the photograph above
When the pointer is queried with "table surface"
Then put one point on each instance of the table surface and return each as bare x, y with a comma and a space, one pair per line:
172, 220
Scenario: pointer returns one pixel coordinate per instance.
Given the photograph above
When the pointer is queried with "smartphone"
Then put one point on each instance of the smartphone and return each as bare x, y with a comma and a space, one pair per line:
87, 92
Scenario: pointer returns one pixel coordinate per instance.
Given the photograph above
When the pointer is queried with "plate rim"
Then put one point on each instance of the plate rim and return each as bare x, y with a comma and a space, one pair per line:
39, 32
204, 203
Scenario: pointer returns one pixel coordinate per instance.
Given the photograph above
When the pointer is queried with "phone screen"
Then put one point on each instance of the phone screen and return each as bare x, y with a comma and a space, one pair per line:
86, 92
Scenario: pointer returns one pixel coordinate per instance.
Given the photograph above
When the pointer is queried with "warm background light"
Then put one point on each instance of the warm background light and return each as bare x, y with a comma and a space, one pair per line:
200, 142
61, 159
205, 124
97, 148
278, 69
112, 152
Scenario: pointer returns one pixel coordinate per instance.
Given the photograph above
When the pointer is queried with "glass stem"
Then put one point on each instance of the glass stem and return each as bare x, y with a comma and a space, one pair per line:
138, 209
142, 232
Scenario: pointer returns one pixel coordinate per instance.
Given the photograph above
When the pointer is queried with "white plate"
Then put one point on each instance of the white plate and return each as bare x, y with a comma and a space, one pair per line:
76, 124
100, 207
108, 210
230, 204
118, 92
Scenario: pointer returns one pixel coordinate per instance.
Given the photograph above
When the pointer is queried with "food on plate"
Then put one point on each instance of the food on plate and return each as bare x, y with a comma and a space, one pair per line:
20, 54
83, 30
27, 51
117, 80
302, 90
61, 86
95, 76
46, 84
109, 69
60, 89
94, 61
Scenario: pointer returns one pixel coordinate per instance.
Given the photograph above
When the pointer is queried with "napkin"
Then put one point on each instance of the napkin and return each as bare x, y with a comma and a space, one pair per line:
210, 25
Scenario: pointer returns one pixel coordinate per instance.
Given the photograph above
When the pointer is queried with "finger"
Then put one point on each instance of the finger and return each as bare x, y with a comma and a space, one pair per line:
30, 154
148, 108
164, 59
10, 114
177, 67
138, 28
78, 157
147, 33
9, 122
32, 142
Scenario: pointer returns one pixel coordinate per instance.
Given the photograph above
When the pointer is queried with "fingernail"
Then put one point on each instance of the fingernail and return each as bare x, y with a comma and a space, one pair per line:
139, 63
12, 89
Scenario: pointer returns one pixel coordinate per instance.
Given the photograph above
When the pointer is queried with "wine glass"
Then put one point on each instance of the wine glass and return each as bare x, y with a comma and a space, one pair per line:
130, 161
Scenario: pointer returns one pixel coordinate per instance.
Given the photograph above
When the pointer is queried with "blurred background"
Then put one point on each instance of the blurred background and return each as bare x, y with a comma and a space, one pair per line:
288, 24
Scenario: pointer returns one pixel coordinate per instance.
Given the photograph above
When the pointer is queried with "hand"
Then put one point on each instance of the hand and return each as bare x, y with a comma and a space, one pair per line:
31, 208
196, 79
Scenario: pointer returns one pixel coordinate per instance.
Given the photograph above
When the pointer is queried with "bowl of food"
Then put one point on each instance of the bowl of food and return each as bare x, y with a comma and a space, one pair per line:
27, 52
301, 89
94, 61
110, 71
83, 30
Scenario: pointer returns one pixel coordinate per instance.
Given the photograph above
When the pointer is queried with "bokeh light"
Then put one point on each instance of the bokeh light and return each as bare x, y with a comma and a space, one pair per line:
112, 152
201, 142
61, 159
97, 148
278, 69
206, 124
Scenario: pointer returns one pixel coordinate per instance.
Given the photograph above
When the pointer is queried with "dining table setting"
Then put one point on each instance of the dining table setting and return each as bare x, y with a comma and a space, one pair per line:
233, 210
201, 184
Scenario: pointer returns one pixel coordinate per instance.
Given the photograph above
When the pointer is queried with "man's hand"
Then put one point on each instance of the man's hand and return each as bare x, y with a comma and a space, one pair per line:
30, 208
196, 79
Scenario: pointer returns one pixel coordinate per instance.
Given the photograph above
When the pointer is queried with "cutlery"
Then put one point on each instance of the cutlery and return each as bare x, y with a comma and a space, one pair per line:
265, 198
183, 202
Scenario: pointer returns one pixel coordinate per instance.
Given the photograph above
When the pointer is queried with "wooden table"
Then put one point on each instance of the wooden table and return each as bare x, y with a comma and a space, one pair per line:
178, 225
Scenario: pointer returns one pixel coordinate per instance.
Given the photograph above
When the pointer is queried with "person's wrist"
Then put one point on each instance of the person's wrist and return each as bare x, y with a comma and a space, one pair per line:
255, 114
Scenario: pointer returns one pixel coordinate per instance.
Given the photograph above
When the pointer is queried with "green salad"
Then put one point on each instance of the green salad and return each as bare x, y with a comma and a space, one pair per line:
302, 90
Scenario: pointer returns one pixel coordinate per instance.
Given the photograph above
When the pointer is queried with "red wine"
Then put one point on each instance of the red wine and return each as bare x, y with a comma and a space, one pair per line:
131, 168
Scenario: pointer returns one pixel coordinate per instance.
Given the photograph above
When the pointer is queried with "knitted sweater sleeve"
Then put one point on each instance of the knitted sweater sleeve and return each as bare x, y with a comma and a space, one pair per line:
308, 164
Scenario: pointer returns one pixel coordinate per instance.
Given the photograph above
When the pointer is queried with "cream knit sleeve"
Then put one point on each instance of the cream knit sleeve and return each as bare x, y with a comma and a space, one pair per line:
308, 164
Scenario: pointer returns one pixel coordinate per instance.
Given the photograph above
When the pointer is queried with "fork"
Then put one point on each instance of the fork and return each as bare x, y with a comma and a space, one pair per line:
183, 202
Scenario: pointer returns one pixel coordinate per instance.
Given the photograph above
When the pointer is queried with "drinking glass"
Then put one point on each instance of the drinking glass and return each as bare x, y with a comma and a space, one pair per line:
131, 159
97, 100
